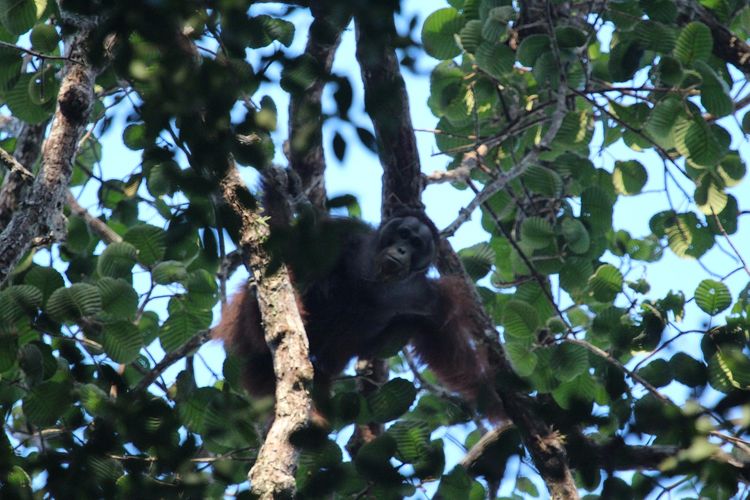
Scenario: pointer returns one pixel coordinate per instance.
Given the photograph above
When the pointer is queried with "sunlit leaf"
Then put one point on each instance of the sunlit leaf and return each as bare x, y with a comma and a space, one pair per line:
694, 43
438, 33
606, 283
712, 296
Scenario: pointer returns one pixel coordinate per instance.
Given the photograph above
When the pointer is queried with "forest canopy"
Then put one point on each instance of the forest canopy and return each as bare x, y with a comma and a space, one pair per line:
601, 145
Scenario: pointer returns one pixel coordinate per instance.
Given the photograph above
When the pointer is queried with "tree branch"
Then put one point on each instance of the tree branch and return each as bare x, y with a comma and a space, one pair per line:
529, 159
613, 454
28, 147
39, 215
272, 476
462, 173
171, 358
387, 103
306, 156
98, 226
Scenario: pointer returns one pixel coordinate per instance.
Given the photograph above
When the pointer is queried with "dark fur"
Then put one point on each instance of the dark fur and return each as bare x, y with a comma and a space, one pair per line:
354, 310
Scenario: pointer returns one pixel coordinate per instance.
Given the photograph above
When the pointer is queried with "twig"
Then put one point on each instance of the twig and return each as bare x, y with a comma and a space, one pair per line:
15, 167
37, 54
504, 178
99, 227
729, 242
634, 376
171, 358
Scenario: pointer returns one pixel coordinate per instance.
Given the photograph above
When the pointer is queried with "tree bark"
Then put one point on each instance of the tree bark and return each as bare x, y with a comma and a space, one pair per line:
28, 147
306, 156
272, 476
387, 103
38, 218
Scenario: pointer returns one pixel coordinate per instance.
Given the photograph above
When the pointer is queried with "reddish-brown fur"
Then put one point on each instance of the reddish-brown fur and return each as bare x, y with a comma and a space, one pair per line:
450, 350
344, 322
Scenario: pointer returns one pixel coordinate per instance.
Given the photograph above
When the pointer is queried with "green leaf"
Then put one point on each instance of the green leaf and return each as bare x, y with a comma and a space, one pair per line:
458, 484
119, 299
299, 74
624, 60
278, 29
10, 67
44, 38
43, 87
543, 180
694, 43
658, 373
582, 389
746, 123
181, 326
661, 120
438, 33
596, 210
392, 400
576, 129
23, 106
655, 36
431, 461
134, 136
568, 361
525, 485
537, 232
629, 177
45, 279
687, 236
169, 271
669, 71
117, 260
569, 37
729, 369
149, 241
740, 23
712, 296
494, 31
411, 438
520, 320
78, 301
687, 370
710, 198
471, 35
8, 351
715, 95
731, 170
18, 16
575, 235
373, 460
46, 403
531, 48
660, 10
93, 399
606, 283
122, 341
477, 260
202, 289
614, 487
522, 358
19, 301
496, 59
18, 479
